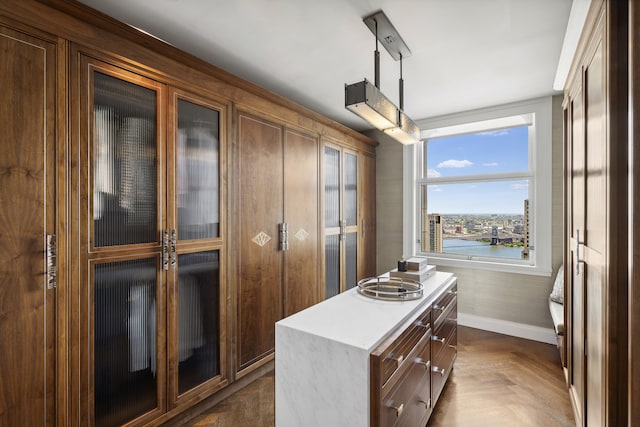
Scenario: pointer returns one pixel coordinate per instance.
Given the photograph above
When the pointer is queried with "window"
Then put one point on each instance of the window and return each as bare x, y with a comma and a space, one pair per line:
481, 186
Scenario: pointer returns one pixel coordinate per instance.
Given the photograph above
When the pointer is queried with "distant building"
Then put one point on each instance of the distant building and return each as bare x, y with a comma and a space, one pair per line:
435, 233
525, 226
458, 229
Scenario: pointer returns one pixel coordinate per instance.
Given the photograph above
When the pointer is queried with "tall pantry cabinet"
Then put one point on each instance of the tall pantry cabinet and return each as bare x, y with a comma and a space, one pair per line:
277, 213
29, 97
150, 297
159, 216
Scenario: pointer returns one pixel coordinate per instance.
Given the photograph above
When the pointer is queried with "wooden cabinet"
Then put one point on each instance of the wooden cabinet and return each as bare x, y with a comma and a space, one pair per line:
400, 375
29, 198
152, 319
444, 341
596, 222
278, 258
410, 368
341, 218
167, 292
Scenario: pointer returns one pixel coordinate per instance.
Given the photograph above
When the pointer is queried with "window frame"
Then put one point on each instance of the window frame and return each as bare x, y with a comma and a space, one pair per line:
537, 113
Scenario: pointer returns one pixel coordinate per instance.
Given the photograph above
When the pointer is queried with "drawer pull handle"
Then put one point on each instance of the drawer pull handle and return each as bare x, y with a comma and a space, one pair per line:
398, 409
453, 346
453, 319
426, 364
438, 370
452, 292
438, 307
424, 325
399, 359
426, 404
440, 340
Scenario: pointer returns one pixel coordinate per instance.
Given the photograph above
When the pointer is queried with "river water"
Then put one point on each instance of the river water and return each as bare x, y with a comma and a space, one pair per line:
475, 248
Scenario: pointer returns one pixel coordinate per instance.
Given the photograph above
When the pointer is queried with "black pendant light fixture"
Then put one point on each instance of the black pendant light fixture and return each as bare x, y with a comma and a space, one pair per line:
366, 100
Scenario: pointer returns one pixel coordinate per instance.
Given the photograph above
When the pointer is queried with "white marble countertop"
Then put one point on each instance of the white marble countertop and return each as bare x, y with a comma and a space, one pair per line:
360, 321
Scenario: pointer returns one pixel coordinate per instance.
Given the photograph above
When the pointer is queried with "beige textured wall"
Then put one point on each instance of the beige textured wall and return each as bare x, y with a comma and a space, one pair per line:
388, 201
505, 296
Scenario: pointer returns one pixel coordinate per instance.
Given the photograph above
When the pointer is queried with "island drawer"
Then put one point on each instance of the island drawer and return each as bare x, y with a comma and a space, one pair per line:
443, 305
442, 363
444, 330
407, 401
390, 356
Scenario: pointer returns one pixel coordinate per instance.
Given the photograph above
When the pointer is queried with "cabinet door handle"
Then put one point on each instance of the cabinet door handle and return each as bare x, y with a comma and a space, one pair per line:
424, 325
52, 261
398, 360
363, 228
427, 403
455, 347
398, 409
440, 340
578, 260
438, 370
165, 250
284, 236
438, 307
174, 244
426, 364
452, 292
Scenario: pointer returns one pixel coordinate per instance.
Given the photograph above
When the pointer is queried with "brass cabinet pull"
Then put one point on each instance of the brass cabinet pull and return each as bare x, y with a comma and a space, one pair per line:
52, 261
440, 340
398, 409
438, 370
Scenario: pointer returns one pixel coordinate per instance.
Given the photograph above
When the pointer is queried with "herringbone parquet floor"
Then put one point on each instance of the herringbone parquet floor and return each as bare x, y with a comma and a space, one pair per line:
497, 381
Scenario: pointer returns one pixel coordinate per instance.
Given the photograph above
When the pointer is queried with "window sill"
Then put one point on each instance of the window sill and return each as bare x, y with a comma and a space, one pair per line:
475, 264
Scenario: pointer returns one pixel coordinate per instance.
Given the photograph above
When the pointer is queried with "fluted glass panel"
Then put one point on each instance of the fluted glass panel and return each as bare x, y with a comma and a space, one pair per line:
197, 171
331, 187
351, 266
125, 324
124, 162
332, 265
351, 189
198, 318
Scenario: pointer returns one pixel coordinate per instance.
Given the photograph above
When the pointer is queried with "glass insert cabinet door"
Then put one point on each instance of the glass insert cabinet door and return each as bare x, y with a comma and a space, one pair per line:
152, 246
195, 314
341, 224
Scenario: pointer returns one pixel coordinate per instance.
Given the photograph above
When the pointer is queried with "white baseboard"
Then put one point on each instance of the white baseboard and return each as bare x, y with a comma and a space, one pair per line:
520, 330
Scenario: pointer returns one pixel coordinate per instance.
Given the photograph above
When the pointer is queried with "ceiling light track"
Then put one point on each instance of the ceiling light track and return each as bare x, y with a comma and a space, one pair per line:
366, 100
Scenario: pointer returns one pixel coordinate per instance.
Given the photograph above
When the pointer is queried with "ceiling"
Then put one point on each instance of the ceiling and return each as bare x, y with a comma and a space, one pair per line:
466, 54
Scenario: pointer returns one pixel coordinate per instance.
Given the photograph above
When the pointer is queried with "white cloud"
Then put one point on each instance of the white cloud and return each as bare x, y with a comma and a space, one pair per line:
455, 164
436, 189
490, 165
500, 132
520, 186
432, 173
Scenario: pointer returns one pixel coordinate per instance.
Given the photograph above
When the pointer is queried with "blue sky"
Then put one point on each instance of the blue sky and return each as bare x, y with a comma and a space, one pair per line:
480, 153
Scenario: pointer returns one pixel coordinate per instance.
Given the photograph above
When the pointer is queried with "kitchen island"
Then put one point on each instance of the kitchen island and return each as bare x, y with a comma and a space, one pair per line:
323, 355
